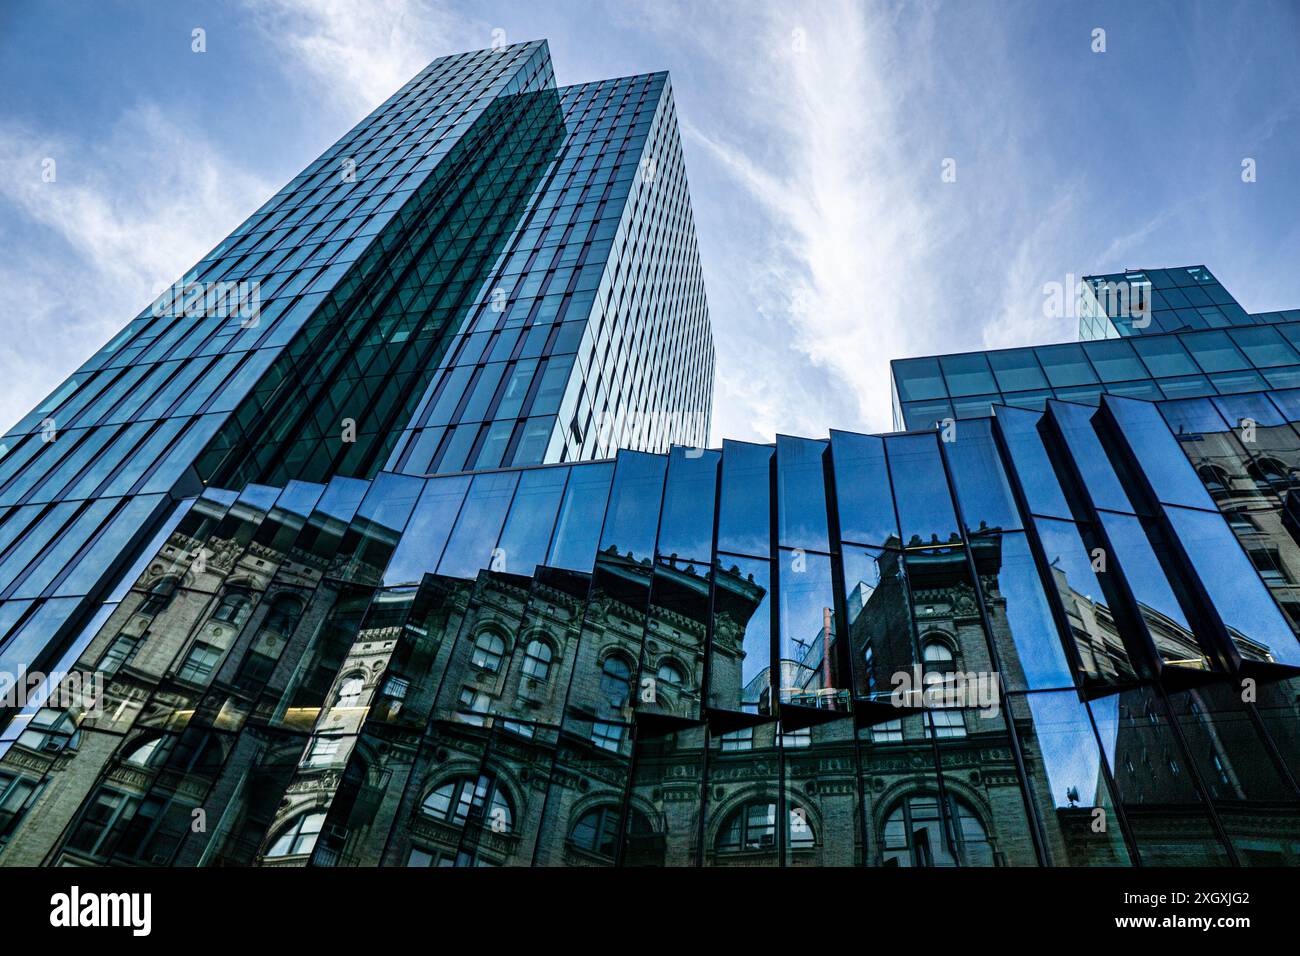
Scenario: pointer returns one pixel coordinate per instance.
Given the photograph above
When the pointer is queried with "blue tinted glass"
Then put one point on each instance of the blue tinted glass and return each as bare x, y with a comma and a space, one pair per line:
807, 614
918, 415
1257, 408
471, 546
1143, 572
1114, 360
632, 517
1264, 346
866, 507
744, 511
1247, 380
1158, 454
918, 379
1030, 462
1065, 365
740, 653
801, 493
1214, 351
426, 533
1255, 625
925, 512
982, 489
686, 527
1017, 370
1186, 386
528, 528
581, 516
967, 374
878, 610
1164, 356
1013, 588
1288, 403
1102, 654
1100, 482
1192, 416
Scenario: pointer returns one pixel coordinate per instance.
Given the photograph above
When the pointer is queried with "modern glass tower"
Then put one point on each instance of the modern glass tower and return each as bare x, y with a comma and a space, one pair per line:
523, 617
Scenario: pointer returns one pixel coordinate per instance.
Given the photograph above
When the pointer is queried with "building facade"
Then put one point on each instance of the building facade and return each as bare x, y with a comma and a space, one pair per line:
525, 618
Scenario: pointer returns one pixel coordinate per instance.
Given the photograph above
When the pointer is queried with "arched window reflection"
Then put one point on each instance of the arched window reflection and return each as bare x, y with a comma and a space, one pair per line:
299, 838
913, 834
480, 799
752, 827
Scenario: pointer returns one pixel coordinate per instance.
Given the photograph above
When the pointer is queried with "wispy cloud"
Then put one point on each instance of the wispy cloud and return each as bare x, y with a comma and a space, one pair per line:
120, 218
358, 54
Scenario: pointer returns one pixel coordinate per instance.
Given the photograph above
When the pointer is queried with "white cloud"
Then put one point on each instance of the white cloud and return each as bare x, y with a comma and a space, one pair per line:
123, 216
359, 54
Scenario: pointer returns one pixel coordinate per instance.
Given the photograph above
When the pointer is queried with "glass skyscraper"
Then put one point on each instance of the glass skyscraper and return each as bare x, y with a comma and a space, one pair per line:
423, 561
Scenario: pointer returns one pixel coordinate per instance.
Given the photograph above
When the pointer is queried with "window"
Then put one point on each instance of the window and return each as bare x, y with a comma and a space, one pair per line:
234, 603
608, 736
200, 662
913, 834
946, 723
350, 691
283, 614
489, 649
105, 816
50, 730
323, 752
14, 792
118, 653
753, 827
473, 703
597, 831
615, 681
737, 740
299, 838
151, 753
396, 687
464, 799
537, 661
937, 655
158, 596
888, 732
670, 673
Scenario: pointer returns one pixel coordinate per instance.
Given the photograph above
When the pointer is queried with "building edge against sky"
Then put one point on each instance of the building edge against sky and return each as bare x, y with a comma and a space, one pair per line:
458, 639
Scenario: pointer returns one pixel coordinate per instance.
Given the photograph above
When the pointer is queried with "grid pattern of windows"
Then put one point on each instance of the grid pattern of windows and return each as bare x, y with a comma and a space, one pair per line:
1173, 365
570, 641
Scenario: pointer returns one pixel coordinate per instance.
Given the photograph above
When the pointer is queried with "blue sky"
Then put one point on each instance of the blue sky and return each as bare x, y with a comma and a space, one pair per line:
815, 136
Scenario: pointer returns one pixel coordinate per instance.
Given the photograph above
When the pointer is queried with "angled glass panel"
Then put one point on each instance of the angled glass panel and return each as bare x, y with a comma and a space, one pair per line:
1100, 483
810, 673
1068, 781
578, 529
866, 506
879, 613
801, 493
1255, 625
528, 528
1100, 649
690, 496
744, 508
1164, 356
740, 649
1030, 462
985, 495
925, 511
426, 533
1158, 454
